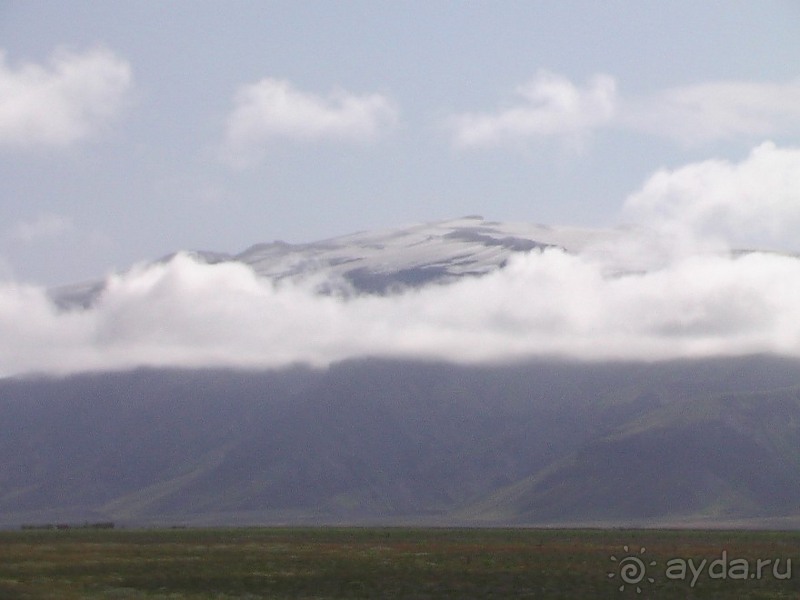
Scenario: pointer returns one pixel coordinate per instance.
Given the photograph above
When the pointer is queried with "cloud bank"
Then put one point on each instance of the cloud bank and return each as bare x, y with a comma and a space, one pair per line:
545, 303
644, 297
271, 110
551, 106
62, 103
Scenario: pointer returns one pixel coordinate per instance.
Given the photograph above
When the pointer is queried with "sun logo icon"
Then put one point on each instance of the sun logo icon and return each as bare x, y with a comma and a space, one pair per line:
631, 569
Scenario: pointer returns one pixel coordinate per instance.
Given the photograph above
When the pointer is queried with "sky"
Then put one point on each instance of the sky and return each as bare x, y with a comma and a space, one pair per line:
130, 130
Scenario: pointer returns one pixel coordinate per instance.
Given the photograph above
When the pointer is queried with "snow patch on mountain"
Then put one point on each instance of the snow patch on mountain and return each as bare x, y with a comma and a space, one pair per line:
385, 261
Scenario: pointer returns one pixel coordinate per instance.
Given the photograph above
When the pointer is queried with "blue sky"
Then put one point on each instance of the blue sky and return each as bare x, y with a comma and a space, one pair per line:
132, 129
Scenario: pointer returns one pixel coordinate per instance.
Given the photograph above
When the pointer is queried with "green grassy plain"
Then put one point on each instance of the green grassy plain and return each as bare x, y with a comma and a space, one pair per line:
323, 563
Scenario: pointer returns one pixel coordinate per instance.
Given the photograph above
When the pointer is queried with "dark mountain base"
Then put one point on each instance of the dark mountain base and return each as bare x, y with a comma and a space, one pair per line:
379, 441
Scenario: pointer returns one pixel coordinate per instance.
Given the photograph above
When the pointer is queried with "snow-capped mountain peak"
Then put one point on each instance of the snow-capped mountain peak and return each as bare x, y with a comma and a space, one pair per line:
379, 261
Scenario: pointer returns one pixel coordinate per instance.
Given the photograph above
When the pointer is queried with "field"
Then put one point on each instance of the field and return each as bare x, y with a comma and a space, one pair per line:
326, 563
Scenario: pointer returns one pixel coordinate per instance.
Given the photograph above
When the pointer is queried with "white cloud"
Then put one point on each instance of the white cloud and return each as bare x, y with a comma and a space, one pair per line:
543, 304
273, 109
549, 106
63, 102
715, 111
757, 196
45, 225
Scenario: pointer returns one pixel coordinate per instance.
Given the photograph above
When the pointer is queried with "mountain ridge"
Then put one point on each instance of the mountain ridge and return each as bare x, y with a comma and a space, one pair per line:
378, 262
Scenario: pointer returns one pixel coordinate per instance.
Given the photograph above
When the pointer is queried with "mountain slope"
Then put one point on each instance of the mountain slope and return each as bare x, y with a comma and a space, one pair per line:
722, 457
388, 440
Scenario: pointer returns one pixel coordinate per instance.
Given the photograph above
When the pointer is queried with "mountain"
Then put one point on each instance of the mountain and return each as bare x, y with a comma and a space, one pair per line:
543, 442
378, 262
534, 442
727, 456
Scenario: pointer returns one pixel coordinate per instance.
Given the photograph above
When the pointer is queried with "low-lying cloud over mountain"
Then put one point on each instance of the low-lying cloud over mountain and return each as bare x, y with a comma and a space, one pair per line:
470, 290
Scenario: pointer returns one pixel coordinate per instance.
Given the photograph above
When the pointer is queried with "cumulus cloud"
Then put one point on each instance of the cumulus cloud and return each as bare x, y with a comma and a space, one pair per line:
549, 106
63, 102
45, 225
273, 109
759, 195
